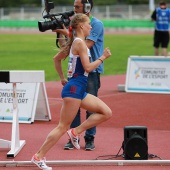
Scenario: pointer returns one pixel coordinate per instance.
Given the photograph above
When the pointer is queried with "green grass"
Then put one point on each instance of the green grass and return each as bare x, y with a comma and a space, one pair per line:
36, 51
122, 46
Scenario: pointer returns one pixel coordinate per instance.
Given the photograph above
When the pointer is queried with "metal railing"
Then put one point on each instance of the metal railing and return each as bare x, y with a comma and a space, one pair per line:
101, 12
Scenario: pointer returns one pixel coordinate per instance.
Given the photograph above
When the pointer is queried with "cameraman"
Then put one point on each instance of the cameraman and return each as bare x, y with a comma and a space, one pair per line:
95, 42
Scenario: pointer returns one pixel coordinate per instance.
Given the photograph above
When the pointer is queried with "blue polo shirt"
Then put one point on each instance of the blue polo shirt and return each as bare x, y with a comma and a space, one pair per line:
97, 35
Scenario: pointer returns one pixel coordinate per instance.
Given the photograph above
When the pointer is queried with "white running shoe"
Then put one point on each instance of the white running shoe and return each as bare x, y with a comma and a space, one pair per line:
40, 163
74, 139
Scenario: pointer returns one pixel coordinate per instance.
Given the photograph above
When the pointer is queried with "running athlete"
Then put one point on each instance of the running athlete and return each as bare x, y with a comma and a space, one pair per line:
74, 91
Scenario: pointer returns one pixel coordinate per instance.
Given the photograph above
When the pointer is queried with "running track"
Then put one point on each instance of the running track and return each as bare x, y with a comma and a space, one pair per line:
129, 109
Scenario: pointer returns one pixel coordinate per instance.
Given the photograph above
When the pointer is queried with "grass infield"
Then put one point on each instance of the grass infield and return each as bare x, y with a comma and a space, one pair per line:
36, 51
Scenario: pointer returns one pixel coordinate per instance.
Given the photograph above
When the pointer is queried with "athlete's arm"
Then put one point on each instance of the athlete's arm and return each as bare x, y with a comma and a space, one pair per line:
80, 48
58, 65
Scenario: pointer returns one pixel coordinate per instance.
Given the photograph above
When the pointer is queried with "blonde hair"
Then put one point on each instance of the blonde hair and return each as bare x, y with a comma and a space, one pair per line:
76, 20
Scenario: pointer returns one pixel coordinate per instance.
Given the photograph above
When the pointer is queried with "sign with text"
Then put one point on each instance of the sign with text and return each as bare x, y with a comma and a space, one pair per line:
32, 99
148, 74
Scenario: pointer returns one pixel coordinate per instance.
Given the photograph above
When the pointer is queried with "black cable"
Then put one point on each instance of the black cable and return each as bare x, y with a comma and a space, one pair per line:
57, 39
43, 12
154, 156
111, 156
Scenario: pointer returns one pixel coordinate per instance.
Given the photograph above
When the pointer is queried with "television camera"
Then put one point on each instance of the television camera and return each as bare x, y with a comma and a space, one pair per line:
51, 20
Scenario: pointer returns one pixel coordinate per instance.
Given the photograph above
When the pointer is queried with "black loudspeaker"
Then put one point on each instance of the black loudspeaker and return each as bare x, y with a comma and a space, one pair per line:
135, 143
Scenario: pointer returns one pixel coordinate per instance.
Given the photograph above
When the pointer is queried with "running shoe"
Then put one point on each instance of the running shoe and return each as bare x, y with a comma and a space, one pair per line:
40, 163
74, 139
89, 146
69, 145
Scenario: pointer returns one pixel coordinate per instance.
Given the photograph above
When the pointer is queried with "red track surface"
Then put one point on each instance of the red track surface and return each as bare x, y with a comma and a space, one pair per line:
129, 109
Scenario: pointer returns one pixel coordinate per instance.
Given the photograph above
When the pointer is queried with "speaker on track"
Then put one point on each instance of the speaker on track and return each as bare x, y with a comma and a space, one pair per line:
135, 143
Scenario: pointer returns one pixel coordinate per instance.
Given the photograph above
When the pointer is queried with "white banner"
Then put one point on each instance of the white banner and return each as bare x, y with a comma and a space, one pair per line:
30, 96
148, 74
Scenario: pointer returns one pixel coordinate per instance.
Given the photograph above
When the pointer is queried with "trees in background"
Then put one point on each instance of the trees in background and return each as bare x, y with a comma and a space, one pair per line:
20, 3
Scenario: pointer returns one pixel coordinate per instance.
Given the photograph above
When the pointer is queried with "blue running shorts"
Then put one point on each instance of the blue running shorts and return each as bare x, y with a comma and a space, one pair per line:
75, 88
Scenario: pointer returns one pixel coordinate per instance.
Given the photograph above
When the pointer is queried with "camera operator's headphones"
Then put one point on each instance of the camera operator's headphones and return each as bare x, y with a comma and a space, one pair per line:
86, 7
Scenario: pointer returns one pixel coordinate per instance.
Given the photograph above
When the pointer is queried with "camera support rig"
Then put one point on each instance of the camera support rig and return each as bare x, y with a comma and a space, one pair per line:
51, 20
48, 6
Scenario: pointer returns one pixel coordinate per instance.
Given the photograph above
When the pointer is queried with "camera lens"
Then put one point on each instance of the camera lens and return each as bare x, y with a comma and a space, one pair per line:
43, 26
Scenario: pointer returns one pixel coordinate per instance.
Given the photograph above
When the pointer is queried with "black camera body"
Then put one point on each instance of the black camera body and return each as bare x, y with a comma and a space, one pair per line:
53, 22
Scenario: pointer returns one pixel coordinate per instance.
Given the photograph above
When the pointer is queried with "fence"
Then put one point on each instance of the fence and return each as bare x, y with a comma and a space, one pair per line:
101, 12
118, 16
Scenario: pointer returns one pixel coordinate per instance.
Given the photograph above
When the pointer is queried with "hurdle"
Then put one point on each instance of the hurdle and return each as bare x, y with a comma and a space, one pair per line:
15, 77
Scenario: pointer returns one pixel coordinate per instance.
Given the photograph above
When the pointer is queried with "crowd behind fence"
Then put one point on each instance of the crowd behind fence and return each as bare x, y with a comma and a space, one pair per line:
101, 12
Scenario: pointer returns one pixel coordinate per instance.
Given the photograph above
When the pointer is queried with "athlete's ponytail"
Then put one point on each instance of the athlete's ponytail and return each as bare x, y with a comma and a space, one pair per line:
76, 20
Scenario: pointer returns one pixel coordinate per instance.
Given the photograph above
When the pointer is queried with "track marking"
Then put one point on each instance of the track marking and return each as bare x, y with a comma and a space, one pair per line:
100, 96
108, 95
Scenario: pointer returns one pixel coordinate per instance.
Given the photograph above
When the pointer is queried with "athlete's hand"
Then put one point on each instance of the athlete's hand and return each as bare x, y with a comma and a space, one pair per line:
107, 53
64, 81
